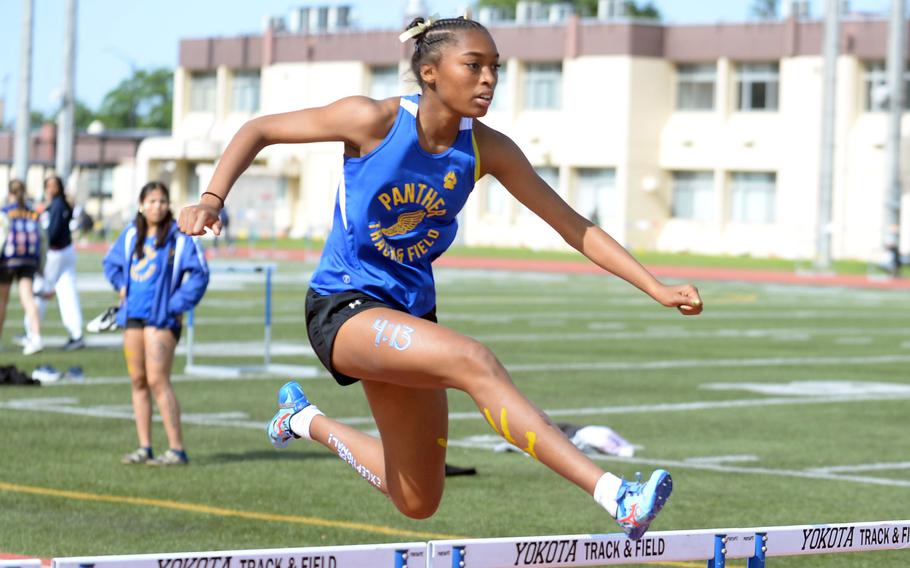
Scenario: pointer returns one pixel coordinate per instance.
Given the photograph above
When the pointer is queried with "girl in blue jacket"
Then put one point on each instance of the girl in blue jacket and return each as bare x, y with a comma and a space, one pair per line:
159, 273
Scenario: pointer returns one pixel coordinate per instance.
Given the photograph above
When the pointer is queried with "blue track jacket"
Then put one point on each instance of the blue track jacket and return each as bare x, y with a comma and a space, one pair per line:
185, 276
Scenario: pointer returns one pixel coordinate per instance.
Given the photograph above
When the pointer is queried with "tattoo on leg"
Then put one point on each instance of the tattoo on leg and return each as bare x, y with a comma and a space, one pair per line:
505, 433
399, 336
345, 454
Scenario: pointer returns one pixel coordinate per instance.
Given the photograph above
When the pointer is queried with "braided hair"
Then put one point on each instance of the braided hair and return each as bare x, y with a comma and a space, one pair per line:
440, 33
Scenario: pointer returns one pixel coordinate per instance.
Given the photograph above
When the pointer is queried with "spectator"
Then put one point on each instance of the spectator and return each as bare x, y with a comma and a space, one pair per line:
59, 275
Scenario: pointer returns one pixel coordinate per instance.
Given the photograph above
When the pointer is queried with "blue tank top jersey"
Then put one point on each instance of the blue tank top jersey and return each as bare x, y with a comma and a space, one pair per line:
395, 213
144, 275
23, 241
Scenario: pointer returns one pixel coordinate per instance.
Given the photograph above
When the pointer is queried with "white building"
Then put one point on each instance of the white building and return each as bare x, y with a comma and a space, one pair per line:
675, 138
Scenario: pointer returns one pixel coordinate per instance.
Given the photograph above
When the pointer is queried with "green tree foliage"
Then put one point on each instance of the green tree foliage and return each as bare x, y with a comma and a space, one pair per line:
765, 9
141, 101
83, 115
36, 118
646, 10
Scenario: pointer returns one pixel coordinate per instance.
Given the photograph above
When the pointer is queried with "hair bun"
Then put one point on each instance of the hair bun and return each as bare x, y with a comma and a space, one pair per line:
417, 28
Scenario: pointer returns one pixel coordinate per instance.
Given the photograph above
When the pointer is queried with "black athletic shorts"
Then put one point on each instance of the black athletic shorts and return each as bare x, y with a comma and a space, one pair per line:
7, 275
326, 314
139, 323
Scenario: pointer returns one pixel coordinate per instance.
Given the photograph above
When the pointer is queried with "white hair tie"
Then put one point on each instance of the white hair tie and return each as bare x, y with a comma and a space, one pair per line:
417, 29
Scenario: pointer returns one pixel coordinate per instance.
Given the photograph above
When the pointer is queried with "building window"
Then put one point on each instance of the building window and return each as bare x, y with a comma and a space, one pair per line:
757, 86
875, 87
596, 196
693, 196
542, 86
245, 92
752, 197
202, 92
550, 176
384, 82
500, 97
695, 86
99, 185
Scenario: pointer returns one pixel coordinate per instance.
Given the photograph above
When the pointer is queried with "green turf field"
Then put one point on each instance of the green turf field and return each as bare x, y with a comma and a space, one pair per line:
780, 405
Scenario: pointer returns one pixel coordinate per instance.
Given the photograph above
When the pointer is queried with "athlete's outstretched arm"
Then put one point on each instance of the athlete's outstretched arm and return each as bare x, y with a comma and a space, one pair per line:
501, 157
356, 121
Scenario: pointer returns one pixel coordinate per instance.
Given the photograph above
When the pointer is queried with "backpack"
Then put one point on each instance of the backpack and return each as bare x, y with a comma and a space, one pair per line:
10, 375
23, 240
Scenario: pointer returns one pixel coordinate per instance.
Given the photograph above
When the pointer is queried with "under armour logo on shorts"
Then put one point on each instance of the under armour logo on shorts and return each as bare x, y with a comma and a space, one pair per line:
353, 305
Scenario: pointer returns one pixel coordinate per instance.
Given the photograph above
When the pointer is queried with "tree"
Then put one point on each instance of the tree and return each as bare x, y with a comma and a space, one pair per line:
83, 115
765, 9
645, 12
141, 101
36, 118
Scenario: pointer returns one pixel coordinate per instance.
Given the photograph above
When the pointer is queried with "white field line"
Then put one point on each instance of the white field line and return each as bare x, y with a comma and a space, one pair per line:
638, 314
238, 420
863, 467
675, 407
655, 365
704, 363
673, 333
723, 468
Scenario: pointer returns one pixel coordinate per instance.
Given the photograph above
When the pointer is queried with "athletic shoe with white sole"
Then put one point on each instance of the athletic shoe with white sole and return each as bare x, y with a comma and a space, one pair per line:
170, 457
105, 321
46, 374
139, 456
638, 503
32, 346
291, 400
73, 344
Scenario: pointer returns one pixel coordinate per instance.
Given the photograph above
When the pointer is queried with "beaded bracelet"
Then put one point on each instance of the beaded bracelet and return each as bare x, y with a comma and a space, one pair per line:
215, 195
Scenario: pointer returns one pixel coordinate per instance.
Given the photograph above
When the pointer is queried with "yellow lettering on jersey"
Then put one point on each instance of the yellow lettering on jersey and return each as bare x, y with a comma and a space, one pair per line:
397, 198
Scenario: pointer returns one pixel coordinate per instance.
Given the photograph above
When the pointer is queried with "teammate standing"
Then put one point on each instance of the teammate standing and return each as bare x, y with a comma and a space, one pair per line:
21, 256
59, 275
409, 165
159, 274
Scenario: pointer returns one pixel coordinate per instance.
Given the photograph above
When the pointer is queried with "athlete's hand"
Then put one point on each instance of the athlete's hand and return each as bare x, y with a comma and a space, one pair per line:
194, 219
685, 298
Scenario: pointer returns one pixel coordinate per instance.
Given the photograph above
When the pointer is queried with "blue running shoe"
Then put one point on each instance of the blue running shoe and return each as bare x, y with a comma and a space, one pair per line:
291, 400
638, 503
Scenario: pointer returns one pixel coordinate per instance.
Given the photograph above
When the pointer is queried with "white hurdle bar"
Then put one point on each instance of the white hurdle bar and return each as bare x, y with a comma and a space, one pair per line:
713, 546
25, 563
402, 555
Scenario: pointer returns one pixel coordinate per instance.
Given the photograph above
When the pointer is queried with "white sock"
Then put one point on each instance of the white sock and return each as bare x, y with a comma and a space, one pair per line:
605, 492
300, 422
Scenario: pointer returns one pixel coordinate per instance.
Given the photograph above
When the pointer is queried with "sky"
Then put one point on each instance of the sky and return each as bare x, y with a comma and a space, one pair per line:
116, 36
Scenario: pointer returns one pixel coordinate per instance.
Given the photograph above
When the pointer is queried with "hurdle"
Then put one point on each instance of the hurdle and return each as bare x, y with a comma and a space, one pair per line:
25, 563
712, 546
401, 555
267, 367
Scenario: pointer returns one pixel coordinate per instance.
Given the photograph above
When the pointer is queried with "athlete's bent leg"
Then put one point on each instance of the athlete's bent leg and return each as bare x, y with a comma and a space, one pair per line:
382, 345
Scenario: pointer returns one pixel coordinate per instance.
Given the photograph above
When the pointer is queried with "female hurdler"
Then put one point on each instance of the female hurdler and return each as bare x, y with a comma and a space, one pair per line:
409, 165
